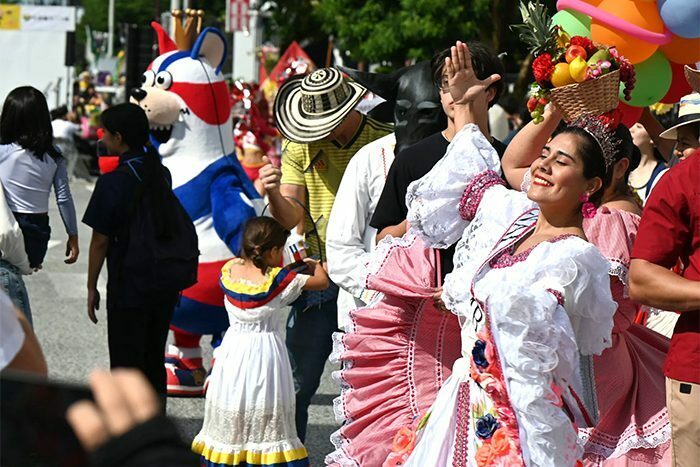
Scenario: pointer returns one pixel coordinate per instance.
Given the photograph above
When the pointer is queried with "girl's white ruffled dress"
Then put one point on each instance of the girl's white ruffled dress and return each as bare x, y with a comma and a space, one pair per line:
250, 402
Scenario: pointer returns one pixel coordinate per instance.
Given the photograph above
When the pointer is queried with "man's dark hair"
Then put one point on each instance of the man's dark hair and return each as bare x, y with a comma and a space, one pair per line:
484, 61
25, 121
59, 113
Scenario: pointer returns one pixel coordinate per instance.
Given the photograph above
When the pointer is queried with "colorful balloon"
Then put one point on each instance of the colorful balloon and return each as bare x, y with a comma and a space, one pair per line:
653, 81
682, 50
573, 23
638, 13
679, 85
629, 115
682, 17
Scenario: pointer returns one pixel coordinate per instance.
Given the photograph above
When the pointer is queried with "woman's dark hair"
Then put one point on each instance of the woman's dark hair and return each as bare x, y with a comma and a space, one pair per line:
484, 61
594, 162
260, 234
130, 121
25, 121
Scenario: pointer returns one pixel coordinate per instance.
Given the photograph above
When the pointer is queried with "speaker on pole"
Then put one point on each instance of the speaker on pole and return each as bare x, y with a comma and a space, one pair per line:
70, 49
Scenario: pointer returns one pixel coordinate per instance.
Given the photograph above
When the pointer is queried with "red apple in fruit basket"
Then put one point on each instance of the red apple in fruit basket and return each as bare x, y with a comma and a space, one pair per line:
575, 51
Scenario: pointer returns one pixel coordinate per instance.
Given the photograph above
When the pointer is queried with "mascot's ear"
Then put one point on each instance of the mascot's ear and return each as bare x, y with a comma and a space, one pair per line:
165, 43
383, 85
211, 44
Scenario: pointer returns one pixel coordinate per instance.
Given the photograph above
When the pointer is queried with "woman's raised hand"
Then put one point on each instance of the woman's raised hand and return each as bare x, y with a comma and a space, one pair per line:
464, 85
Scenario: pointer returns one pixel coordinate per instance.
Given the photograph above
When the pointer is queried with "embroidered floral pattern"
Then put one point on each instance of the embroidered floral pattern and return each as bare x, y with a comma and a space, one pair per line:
471, 198
497, 433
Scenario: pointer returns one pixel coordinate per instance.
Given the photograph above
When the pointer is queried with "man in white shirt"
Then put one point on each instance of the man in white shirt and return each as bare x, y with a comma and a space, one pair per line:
349, 237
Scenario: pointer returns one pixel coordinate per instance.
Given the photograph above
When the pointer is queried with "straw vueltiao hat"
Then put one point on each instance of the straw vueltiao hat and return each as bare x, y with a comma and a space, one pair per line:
688, 112
307, 108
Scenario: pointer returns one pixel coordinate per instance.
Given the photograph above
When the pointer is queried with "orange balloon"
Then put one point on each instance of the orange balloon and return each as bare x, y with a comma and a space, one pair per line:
682, 50
640, 13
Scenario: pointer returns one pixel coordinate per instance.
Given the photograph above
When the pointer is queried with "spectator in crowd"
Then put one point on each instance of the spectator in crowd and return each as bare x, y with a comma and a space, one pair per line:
30, 165
669, 232
686, 131
138, 308
316, 114
417, 160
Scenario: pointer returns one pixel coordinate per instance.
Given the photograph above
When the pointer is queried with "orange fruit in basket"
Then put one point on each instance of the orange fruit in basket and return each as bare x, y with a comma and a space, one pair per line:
561, 75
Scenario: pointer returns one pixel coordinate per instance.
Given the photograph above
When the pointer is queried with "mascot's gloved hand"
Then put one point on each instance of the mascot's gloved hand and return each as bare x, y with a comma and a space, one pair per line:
231, 208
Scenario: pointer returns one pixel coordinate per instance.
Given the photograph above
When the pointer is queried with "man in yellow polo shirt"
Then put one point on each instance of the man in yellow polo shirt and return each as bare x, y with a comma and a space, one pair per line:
315, 113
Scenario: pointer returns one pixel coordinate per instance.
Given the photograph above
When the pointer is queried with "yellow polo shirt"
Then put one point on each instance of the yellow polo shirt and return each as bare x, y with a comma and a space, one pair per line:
319, 167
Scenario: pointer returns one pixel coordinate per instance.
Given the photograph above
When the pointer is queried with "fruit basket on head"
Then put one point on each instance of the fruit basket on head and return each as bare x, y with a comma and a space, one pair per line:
574, 73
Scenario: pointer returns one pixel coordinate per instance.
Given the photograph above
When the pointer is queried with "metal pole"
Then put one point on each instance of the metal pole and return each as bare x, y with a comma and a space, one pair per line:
110, 29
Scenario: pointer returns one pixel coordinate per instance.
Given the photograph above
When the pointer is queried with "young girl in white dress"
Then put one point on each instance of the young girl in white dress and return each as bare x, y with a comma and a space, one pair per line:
250, 402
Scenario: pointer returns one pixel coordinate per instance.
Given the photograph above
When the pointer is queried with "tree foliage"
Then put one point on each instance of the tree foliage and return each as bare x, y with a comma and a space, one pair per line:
398, 30
141, 12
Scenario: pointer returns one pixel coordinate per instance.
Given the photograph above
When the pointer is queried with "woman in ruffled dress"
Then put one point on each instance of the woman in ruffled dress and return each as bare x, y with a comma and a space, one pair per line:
249, 410
532, 295
633, 427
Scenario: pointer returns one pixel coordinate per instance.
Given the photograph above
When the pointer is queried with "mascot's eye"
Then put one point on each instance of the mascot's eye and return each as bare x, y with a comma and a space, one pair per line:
164, 80
148, 78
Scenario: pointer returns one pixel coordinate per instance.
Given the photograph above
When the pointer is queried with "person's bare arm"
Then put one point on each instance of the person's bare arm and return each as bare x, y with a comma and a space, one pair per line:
319, 281
654, 129
658, 287
30, 358
282, 207
527, 146
99, 244
393, 230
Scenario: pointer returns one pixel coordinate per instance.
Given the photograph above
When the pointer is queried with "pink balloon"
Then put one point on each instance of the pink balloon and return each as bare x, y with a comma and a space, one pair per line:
629, 115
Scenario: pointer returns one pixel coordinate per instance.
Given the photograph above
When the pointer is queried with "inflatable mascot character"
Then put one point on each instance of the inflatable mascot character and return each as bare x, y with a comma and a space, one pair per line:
188, 106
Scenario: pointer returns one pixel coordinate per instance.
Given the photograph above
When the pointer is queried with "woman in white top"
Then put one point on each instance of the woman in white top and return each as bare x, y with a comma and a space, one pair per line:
30, 166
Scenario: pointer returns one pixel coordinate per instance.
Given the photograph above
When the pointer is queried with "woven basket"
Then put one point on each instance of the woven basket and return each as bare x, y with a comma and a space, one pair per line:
595, 96
693, 77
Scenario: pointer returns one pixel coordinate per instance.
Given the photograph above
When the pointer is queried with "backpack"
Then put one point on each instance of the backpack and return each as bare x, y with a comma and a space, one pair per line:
157, 265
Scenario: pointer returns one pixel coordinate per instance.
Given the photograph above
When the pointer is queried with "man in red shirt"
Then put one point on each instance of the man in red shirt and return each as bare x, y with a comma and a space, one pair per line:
670, 230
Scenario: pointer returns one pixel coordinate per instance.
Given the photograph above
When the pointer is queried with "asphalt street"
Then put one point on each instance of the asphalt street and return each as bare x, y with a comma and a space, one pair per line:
73, 345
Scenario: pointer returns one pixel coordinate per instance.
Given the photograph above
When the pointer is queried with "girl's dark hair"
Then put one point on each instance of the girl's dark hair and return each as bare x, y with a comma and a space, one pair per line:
25, 121
130, 121
260, 234
594, 162
484, 61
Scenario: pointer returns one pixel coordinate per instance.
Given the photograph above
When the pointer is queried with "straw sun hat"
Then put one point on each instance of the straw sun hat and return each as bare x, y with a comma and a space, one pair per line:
688, 112
308, 108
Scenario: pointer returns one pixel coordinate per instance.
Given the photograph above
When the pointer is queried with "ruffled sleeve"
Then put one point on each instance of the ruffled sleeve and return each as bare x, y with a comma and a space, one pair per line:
294, 289
565, 309
463, 188
433, 200
613, 231
582, 279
